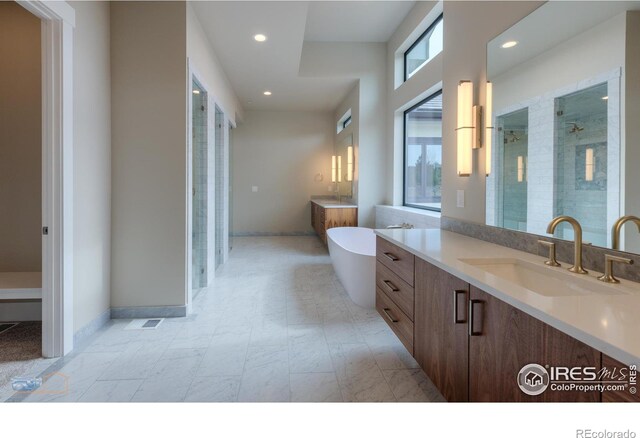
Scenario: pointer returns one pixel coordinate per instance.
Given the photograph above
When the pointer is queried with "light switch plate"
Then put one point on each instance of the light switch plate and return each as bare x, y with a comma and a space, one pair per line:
254, 189
460, 199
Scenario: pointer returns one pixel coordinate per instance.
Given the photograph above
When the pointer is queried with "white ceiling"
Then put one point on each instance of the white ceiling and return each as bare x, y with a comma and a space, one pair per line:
273, 65
355, 21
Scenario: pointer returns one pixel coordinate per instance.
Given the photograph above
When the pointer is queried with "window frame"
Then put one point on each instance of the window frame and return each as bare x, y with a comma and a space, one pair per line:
404, 154
418, 41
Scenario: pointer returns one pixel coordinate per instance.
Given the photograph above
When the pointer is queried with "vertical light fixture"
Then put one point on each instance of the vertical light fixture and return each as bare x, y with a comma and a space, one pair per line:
339, 168
520, 168
488, 130
333, 168
464, 130
350, 163
589, 165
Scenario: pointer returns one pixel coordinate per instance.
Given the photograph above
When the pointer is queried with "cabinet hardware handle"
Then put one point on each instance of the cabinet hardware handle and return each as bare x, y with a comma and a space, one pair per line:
391, 257
386, 312
391, 286
472, 331
456, 294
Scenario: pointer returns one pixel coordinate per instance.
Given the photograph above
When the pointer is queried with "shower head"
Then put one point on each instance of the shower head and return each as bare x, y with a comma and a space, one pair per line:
575, 127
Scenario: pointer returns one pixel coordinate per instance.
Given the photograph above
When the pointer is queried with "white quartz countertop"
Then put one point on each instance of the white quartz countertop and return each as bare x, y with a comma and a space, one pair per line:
606, 322
332, 203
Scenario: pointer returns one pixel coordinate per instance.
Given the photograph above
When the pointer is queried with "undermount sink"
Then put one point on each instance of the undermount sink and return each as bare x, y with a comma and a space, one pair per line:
544, 280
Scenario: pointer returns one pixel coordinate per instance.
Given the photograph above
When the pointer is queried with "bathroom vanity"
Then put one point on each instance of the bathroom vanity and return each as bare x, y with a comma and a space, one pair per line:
473, 314
330, 213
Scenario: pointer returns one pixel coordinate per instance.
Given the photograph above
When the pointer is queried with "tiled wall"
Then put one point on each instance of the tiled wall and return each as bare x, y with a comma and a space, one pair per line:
200, 196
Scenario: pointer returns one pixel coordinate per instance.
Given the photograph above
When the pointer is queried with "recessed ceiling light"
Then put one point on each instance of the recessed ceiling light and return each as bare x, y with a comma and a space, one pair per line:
260, 38
196, 91
267, 93
605, 98
509, 44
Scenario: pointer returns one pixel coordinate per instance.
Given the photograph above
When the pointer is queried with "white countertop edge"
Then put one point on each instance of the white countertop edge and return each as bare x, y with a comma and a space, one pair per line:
332, 204
590, 340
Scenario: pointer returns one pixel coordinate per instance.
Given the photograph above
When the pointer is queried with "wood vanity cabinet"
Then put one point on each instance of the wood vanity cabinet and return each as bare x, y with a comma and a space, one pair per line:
504, 339
470, 344
441, 338
324, 218
395, 291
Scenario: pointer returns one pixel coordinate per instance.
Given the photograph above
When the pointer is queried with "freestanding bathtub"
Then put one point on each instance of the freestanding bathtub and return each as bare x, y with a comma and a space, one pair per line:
353, 255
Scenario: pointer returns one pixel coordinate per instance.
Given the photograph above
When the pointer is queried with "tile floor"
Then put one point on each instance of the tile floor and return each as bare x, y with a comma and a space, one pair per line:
275, 326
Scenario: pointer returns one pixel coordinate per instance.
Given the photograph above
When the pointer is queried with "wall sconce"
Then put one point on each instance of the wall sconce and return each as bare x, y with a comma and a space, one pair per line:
589, 165
350, 163
339, 168
520, 168
333, 168
488, 130
468, 137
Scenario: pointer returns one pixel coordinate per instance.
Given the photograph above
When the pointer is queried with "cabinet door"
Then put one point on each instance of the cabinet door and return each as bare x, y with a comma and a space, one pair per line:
441, 338
503, 340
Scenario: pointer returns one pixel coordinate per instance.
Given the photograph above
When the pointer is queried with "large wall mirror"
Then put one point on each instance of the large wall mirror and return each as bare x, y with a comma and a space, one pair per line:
566, 116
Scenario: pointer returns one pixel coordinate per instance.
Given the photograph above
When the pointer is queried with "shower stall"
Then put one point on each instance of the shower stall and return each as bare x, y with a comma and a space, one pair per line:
512, 147
581, 162
200, 187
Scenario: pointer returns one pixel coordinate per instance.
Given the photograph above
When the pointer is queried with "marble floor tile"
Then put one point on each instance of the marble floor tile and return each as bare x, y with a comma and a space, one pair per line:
214, 389
111, 391
315, 387
275, 325
412, 386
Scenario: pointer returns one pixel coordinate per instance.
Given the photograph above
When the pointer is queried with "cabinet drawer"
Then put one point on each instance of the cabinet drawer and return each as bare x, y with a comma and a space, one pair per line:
397, 289
400, 323
618, 396
398, 260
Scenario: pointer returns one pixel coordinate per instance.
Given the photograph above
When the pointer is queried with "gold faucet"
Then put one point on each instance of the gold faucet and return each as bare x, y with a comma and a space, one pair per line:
617, 227
577, 244
609, 260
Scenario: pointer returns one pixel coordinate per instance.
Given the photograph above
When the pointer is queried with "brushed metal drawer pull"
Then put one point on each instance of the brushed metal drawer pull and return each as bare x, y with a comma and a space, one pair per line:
472, 304
391, 257
456, 318
392, 287
386, 312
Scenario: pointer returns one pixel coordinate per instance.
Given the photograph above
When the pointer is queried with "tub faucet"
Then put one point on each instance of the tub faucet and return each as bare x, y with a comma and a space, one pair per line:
577, 241
403, 225
617, 227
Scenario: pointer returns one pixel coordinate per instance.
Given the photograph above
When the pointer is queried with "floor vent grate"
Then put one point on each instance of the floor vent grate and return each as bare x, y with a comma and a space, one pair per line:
6, 326
144, 324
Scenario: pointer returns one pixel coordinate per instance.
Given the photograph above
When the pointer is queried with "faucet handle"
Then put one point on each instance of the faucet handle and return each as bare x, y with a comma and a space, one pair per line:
552, 253
609, 260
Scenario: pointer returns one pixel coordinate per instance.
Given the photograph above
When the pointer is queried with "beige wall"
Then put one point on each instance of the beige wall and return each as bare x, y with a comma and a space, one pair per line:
20, 140
280, 152
207, 67
92, 162
465, 58
149, 153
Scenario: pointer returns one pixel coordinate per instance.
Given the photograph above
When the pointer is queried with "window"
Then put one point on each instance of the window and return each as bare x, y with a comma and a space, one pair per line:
423, 154
424, 49
344, 121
